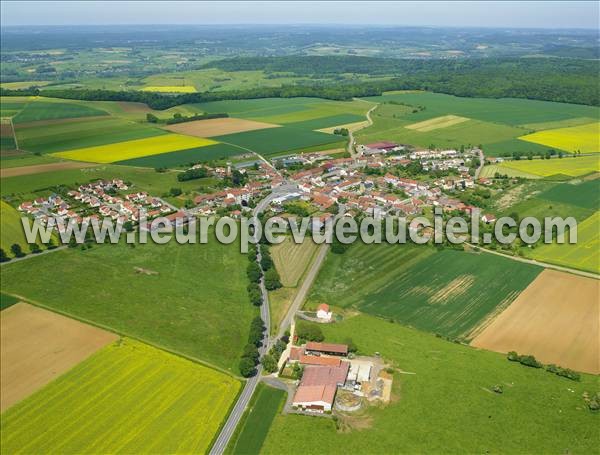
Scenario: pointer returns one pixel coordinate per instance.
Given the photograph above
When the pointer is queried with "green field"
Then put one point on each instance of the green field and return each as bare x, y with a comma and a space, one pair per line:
186, 157
584, 255
28, 187
448, 292
510, 111
568, 166
12, 229
80, 134
196, 303
495, 123
585, 195
7, 301
267, 402
43, 110
327, 122
127, 398
26, 159
447, 406
272, 141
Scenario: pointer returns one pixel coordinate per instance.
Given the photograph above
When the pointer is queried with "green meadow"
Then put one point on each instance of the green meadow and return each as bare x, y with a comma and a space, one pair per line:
193, 300
42, 110
444, 403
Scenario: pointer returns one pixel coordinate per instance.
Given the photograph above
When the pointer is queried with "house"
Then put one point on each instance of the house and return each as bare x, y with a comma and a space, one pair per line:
323, 312
327, 348
320, 360
488, 218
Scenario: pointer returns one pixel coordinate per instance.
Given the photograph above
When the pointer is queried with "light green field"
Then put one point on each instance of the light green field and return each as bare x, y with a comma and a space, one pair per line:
585, 255
559, 123
12, 230
538, 412
584, 138
292, 259
22, 85
138, 148
170, 89
42, 110
127, 398
537, 168
196, 303
26, 159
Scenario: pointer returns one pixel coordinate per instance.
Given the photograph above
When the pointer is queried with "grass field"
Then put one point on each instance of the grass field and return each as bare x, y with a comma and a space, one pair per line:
12, 230
171, 89
28, 187
138, 148
584, 138
186, 157
267, 402
26, 159
585, 194
572, 167
127, 398
537, 413
447, 292
509, 111
328, 122
292, 259
42, 110
510, 146
7, 301
272, 141
196, 304
585, 255
59, 137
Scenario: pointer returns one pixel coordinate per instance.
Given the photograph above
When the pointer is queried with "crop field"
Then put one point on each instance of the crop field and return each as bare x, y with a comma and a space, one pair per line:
559, 123
127, 398
510, 111
273, 141
186, 157
447, 292
218, 127
7, 136
586, 194
23, 160
511, 146
173, 308
171, 89
490, 170
328, 122
38, 346
7, 301
572, 167
584, 255
436, 123
138, 148
292, 259
30, 167
59, 137
42, 110
542, 410
268, 402
288, 110
555, 319
584, 138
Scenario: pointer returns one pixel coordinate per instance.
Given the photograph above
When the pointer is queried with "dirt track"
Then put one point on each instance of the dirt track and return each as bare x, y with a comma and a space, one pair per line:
218, 127
36, 346
556, 319
41, 168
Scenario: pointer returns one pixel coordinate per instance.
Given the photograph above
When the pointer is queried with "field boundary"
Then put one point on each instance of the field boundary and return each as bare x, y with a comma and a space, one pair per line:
125, 334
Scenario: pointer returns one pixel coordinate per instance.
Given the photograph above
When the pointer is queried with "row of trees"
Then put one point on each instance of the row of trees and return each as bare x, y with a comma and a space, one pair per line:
179, 118
250, 355
17, 250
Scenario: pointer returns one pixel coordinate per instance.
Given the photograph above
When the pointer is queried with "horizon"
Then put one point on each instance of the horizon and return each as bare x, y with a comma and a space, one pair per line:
579, 15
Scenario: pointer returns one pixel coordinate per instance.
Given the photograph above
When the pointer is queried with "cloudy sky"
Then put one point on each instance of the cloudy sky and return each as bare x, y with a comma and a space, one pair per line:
538, 14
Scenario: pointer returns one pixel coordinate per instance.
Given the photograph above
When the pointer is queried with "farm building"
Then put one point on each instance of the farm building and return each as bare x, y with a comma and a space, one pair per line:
326, 348
318, 387
320, 360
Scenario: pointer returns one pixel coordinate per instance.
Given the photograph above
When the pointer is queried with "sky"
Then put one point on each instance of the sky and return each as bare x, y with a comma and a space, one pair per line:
505, 14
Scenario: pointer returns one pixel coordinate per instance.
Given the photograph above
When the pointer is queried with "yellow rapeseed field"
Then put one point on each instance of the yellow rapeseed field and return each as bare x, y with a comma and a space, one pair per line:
170, 89
135, 149
568, 165
127, 398
585, 138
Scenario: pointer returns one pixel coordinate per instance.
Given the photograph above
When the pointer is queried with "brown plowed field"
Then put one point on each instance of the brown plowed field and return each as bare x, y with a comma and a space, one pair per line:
36, 346
41, 168
218, 127
556, 319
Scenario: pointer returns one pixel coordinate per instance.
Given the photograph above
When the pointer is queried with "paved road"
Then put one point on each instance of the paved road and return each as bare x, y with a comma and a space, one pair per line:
240, 406
541, 264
